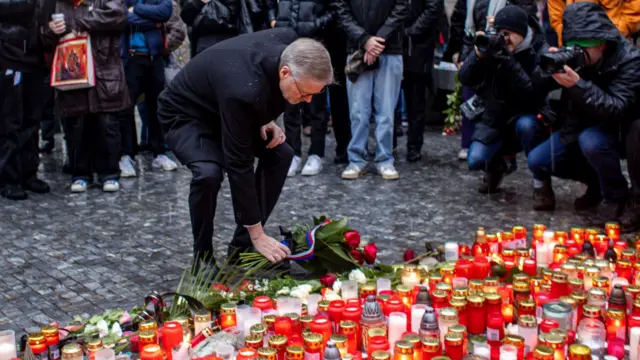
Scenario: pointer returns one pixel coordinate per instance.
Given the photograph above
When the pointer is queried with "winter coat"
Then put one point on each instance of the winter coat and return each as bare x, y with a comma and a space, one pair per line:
421, 34
506, 87
607, 94
175, 30
214, 108
212, 22
104, 21
147, 17
362, 19
625, 14
19, 35
309, 18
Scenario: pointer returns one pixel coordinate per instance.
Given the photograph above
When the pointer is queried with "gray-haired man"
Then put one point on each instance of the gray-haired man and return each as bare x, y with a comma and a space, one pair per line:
217, 116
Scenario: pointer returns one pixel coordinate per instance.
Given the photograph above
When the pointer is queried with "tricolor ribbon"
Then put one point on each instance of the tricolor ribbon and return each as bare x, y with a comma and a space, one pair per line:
311, 242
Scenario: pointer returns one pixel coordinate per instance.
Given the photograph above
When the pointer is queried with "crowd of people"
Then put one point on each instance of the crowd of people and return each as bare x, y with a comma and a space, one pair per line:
556, 80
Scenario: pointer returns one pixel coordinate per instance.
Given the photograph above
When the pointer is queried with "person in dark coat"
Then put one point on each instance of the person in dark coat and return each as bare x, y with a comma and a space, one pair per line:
21, 95
91, 113
220, 118
419, 44
630, 220
309, 18
502, 81
599, 101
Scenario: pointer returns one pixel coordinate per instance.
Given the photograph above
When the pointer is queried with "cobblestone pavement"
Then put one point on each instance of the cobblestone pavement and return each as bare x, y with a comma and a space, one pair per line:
63, 254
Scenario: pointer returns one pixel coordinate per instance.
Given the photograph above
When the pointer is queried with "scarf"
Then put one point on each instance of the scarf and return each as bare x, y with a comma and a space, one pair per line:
492, 10
526, 43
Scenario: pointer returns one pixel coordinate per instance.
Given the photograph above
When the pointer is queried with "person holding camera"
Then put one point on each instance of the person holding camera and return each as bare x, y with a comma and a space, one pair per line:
499, 71
598, 72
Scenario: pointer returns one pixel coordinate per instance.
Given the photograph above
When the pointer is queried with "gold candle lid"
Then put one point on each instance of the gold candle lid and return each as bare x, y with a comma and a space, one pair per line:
72, 350
269, 320
579, 352
439, 295
430, 344
521, 286
277, 340
253, 339
461, 291
440, 358
453, 339
348, 324
521, 277
492, 299
591, 311
49, 331
628, 254
508, 253
403, 290
380, 355
313, 341
527, 321
459, 329
477, 301
476, 284
148, 325
515, 340
560, 332
580, 297
615, 314
307, 319
447, 269
338, 339
228, 309
448, 314
267, 351
527, 305
492, 281
147, 336
458, 304
36, 338
569, 300
323, 305
258, 329
377, 332
624, 264
403, 347
523, 252
560, 249
443, 287
293, 316
414, 339
95, 344
295, 352
597, 294
576, 282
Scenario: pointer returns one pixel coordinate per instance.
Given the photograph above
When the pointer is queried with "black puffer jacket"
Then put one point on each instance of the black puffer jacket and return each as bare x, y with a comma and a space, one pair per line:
19, 35
459, 41
362, 19
309, 18
505, 86
421, 34
607, 94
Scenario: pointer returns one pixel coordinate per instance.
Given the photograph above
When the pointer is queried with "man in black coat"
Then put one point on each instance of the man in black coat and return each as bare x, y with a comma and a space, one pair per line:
419, 44
631, 218
220, 118
501, 78
598, 102
21, 95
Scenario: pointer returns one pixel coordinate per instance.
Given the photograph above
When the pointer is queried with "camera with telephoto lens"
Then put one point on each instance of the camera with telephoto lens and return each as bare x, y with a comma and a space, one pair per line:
554, 62
491, 42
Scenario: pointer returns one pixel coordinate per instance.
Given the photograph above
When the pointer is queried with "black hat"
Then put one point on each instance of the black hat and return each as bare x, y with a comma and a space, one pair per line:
512, 18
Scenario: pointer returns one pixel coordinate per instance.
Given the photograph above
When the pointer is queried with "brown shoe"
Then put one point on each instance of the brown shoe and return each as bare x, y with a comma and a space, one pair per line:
544, 199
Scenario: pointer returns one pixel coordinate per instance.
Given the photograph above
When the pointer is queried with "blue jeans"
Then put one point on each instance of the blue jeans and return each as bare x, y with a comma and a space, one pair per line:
485, 156
375, 92
593, 158
144, 119
531, 132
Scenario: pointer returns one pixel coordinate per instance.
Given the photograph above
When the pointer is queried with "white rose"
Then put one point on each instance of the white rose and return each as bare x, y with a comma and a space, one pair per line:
103, 327
358, 276
330, 296
284, 291
300, 294
337, 285
116, 329
306, 288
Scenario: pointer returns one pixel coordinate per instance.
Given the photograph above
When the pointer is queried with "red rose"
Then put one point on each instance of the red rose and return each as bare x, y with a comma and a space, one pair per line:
409, 255
352, 239
328, 279
369, 252
327, 221
357, 256
219, 287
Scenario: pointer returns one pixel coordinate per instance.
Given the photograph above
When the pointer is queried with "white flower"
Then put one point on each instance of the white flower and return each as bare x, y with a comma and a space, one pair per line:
258, 287
103, 328
284, 291
358, 276
223, 293
89, 328
305, 287
300, 294
250, 287
116, 329
330, 295
337, 285
242, 294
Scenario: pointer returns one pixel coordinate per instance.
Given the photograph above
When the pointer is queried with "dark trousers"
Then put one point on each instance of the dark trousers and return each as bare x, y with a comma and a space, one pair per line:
315, 112
415, 93
20, 113
145, 75
96, 147
270, 175
48, 122
337, 47
594, 157
467, 126
633, 158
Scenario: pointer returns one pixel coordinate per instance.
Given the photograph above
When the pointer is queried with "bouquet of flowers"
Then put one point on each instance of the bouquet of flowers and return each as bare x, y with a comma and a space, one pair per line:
326, 246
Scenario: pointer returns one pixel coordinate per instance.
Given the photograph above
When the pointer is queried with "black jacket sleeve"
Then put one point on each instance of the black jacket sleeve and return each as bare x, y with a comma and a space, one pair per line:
237, 142
473, 71
614, 103
16, 7
456, 29
395, 20
354, 31
426, 22
323, 20
272, 10
190, 11
515, 81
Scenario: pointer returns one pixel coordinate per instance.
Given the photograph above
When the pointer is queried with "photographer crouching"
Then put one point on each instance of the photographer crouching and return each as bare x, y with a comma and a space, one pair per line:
499, 70
599, 73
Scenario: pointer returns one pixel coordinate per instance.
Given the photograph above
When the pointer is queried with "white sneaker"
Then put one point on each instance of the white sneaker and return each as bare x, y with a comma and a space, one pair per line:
462, 155
79, 186
313, 166
162, 161
111, 186
352, 172
295, 164
388, 172
127, 166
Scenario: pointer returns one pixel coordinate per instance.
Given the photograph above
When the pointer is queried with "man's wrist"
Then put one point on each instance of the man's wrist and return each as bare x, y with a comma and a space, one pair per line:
255, 231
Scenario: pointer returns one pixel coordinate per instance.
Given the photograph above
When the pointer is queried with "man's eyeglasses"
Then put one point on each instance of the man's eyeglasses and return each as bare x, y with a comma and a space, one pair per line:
304, 93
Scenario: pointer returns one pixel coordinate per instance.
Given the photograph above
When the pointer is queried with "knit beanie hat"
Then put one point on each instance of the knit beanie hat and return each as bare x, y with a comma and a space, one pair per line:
512, 18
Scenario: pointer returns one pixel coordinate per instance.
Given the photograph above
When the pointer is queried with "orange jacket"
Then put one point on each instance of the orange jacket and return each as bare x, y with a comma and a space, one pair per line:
625, 14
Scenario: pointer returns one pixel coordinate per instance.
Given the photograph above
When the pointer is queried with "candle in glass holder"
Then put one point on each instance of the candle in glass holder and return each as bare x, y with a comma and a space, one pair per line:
367, 289
454, 346
538, 231
507, 313
349, 329
448, 272
463, 268
349, 289
451, 251
430, 347
528, 329
7, 345
247, 354
279, 343
414, 339
410, 276
508, 352
397, 326
405, 294
624, 270
613, 230
448, 317
312, 304
634, 342
461, 307
152, 352
542, 254
417, 312
616, 324
383, 284
284, 326
336, 308
403, 350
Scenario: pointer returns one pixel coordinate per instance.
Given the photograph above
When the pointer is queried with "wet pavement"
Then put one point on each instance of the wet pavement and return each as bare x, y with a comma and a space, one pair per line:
64, 254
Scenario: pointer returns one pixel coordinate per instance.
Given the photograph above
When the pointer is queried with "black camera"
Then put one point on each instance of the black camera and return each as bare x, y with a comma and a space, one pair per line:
491, 42
572, 56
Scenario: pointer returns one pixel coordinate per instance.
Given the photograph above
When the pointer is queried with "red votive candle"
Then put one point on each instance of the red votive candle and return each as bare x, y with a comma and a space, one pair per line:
495, 327
336, 307
480, 268
283, 326
547, 325
263, 303
463, 268
322, 325
247, 354
530, 267
377, 343
476, 312
464, 250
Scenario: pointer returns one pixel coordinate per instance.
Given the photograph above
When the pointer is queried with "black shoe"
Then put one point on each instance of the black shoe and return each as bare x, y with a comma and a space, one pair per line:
46, 146
36, 185
413, 156
341, 159
630, 220
590, 199
144, 147
13, 192
611, 211
512, 166
492, 180
544, 199
399, 131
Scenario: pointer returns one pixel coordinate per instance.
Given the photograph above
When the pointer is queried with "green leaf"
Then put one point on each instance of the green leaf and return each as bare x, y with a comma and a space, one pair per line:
332, 228
110, 339
338, 250
385, 268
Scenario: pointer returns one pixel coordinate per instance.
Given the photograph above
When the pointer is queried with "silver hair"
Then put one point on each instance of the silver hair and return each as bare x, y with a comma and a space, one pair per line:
309, 59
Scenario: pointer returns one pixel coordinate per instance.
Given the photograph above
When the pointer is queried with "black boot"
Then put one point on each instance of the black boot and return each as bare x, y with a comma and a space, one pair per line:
543, 198
13, 192
630, 220
492, 179
36, 185
611, 211
413, 155
590, 199
46, 146
341, 159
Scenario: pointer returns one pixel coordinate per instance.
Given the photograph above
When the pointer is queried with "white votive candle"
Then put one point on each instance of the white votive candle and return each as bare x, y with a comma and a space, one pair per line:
634, 341
383, 284
397, 327
417, 311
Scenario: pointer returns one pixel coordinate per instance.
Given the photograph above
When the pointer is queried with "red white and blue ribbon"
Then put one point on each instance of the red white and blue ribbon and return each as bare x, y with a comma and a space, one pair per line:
311, 242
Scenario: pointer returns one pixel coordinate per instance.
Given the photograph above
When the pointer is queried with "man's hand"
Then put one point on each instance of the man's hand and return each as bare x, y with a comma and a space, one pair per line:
278, 135
58, 26
131, 9
272, 23
375, 45
270, 248
567, 79
480, 54
369, 59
